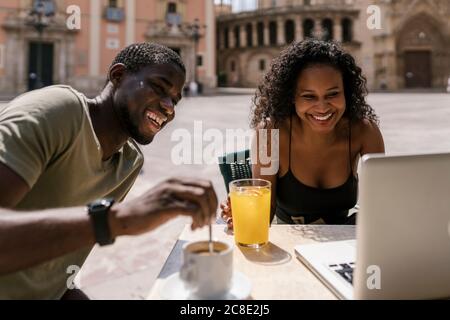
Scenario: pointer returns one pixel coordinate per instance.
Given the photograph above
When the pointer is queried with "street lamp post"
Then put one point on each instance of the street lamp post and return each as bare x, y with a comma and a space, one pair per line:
196, 37
38, 19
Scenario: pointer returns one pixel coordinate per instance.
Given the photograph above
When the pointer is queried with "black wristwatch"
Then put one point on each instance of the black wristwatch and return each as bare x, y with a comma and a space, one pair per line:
99, 212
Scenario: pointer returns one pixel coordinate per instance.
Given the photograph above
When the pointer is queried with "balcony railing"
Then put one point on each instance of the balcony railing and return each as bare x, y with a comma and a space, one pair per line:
173, 19
48, 7
162, 28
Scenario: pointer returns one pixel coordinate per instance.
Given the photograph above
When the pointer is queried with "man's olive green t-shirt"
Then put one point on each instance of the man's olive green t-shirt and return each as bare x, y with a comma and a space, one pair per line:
47, 138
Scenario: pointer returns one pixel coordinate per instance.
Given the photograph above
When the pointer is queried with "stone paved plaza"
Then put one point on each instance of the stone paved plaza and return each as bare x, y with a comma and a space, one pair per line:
410, 122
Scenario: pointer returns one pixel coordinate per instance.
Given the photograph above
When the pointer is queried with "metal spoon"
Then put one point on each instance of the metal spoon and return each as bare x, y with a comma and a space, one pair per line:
210, 244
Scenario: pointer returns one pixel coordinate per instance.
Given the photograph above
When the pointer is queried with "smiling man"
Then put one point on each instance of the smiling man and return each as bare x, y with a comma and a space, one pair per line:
59, 149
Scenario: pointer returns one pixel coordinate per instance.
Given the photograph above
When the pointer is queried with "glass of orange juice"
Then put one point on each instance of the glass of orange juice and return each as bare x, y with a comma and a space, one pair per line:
250, 204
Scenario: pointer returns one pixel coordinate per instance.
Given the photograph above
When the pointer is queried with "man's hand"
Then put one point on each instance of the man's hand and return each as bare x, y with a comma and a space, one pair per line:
174, 197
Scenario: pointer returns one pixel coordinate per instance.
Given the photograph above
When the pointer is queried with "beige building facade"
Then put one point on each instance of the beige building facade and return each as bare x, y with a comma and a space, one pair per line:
413, 48
81, 56
399, 43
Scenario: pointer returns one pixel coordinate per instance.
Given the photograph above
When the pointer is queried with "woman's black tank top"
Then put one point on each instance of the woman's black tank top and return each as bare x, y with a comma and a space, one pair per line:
295, 199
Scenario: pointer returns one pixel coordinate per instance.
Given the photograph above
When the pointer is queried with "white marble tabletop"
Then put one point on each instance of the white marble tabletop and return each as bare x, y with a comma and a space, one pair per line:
274, 271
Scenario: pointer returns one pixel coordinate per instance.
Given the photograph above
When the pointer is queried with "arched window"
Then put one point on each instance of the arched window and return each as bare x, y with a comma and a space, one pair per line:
226, 38
273, 33
347, 30
308, 28
289, 31
249, 33
327, 28
237, 37
260, 33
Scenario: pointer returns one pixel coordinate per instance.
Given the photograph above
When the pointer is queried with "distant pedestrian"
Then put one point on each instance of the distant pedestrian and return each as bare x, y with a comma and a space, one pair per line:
186, 90
193, 88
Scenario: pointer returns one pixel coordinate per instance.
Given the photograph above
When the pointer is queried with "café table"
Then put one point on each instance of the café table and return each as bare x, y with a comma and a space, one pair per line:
274, 270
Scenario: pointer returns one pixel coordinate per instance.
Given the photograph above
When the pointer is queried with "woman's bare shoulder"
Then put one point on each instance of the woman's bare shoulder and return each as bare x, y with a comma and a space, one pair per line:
369, 135
364, 127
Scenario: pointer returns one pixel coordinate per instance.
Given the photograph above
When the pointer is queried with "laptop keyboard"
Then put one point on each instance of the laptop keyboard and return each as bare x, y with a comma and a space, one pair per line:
345, 270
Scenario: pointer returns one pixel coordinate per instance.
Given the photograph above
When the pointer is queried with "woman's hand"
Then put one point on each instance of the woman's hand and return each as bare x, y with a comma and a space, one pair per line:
226, 213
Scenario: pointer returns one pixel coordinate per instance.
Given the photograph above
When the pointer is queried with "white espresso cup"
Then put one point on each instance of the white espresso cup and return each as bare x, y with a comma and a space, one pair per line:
207, 275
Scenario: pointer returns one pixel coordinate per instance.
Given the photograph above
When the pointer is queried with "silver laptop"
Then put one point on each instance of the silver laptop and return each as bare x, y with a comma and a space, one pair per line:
402, 249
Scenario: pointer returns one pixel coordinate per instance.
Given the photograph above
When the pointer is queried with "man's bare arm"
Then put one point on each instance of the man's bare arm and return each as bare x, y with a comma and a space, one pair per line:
31, 238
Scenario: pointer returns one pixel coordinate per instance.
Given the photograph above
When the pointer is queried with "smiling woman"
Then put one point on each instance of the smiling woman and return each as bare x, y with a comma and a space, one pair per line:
314, 94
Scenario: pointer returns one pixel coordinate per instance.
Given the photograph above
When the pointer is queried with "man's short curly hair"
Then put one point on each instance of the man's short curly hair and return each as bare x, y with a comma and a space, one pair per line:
275, 96
139, 55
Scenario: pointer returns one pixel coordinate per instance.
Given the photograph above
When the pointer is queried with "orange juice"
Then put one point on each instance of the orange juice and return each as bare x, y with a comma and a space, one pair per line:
251, 215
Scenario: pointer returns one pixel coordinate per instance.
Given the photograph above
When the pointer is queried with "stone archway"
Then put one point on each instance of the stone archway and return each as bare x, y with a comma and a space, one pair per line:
422, 57
19, 45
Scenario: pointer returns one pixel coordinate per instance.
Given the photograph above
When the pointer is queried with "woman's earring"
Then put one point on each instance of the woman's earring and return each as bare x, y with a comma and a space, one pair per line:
141, 84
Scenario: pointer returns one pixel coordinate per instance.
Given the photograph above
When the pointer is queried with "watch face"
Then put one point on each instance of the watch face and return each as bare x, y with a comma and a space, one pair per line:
100, 204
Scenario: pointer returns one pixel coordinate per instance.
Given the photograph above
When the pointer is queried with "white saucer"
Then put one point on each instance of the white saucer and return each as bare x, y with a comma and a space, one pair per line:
173, 288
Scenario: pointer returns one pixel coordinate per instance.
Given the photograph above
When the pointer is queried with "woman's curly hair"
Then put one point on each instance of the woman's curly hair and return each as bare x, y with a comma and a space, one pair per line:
275, 96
